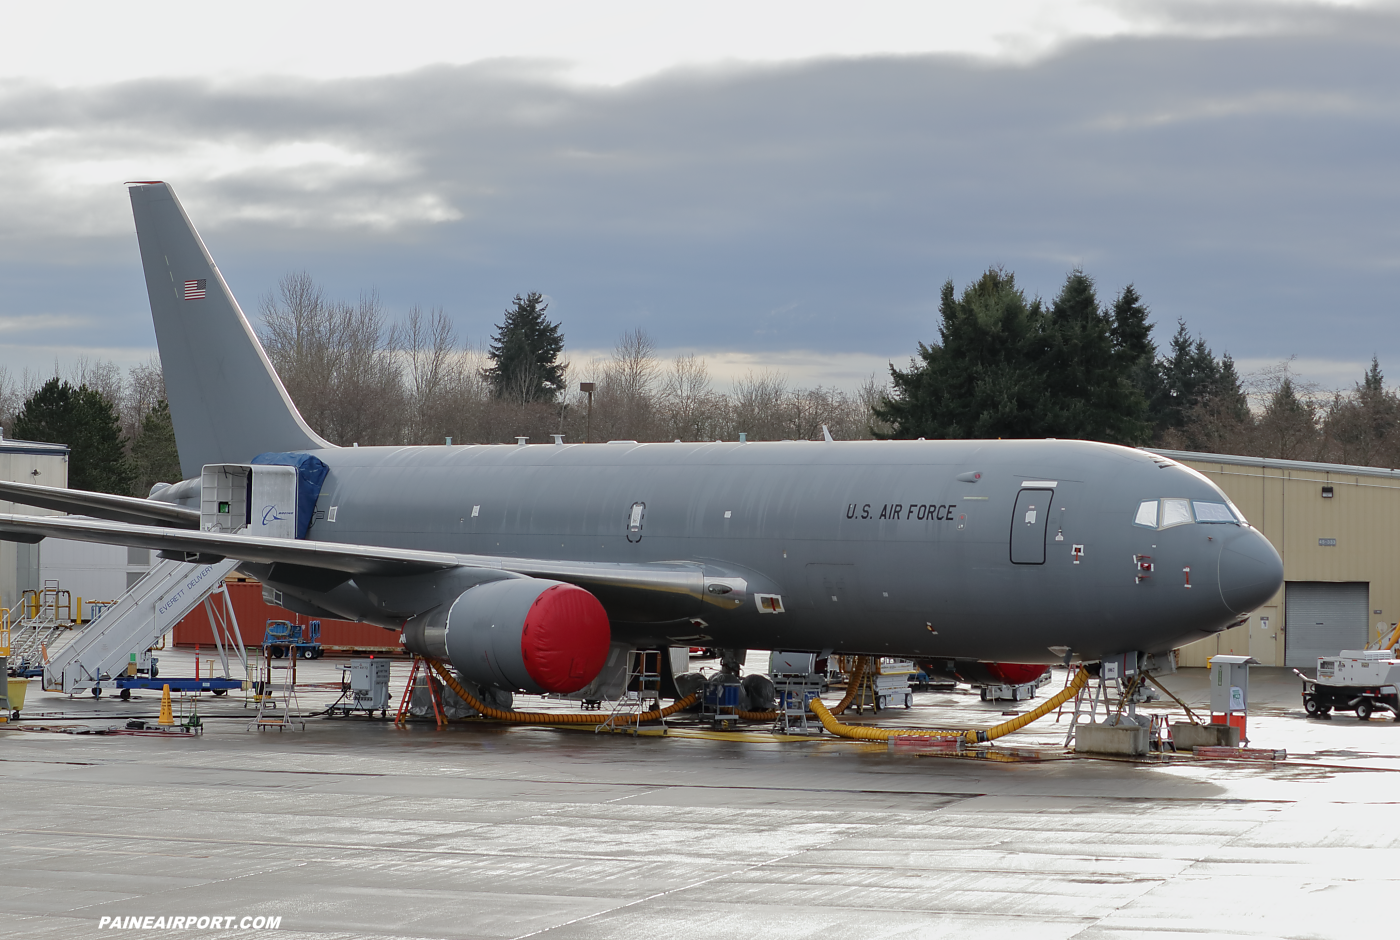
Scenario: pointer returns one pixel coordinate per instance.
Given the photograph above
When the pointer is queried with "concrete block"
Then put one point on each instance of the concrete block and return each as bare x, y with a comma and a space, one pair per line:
1120, 740
1188, 737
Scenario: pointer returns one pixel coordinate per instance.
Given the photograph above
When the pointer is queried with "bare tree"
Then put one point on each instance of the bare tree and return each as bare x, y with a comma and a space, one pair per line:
1287, 425
337, 361
429, 347
690, 408
760, 407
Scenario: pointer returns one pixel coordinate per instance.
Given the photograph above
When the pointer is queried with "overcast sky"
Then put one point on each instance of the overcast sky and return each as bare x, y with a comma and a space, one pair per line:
781, 184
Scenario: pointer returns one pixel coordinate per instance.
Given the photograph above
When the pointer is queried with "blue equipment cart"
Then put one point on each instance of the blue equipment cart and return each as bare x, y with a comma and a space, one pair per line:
284, 638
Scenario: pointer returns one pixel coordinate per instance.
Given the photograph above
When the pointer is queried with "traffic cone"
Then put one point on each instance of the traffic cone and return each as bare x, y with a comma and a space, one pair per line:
166, 718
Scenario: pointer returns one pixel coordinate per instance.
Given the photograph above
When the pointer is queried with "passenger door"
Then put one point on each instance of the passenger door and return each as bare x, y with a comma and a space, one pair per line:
1028, 524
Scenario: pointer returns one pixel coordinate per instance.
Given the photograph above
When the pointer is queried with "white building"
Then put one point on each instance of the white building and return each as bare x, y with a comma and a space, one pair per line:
87, 570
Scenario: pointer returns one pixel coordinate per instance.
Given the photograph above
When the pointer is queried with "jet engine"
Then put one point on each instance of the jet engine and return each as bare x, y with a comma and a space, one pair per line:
527, 635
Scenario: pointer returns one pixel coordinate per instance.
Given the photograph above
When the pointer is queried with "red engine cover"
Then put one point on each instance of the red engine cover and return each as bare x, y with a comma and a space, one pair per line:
1017, 673
565, 639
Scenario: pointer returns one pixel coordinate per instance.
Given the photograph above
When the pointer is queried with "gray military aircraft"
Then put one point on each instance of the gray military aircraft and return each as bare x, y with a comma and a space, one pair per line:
521, 564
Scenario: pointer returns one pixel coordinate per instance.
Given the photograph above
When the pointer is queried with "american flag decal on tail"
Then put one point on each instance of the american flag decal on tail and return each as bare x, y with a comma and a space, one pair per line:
194, 290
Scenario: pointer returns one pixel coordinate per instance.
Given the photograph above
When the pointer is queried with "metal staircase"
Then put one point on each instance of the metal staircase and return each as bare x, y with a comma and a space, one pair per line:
275, 689
135, 623
37, 622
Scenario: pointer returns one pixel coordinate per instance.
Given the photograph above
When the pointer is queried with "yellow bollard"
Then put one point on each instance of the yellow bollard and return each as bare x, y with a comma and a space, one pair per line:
166, 718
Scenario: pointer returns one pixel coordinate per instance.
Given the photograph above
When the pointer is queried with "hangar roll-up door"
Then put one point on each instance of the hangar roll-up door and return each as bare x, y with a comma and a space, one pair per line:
1322, 618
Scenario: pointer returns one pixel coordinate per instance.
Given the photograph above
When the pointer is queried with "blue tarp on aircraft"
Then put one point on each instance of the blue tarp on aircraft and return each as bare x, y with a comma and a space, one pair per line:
311, 473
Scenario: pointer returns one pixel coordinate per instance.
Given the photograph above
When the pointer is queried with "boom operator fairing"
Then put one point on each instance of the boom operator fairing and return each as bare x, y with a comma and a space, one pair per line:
522, 564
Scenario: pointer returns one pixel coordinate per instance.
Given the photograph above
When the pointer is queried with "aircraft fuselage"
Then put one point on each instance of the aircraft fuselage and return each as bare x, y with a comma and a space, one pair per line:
1013, 550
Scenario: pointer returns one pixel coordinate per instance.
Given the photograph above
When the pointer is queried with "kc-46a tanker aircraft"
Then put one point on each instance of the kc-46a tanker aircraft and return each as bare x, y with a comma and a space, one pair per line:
521, 565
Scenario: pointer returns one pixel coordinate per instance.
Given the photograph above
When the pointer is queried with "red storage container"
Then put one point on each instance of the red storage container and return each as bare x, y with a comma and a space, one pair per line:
253, 614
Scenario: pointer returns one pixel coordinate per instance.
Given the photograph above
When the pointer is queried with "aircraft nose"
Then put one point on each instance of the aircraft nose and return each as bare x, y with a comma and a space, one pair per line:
1251, 572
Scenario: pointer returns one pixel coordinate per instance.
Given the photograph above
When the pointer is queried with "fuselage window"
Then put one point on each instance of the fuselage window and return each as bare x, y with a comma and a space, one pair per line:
1147, 514
1175, 512
1213, 512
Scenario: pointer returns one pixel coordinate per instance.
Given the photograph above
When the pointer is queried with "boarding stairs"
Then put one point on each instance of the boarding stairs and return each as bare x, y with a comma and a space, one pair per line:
148, 610
37, 623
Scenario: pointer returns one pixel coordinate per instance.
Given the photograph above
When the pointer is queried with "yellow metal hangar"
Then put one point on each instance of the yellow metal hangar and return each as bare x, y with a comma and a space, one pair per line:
1337, 528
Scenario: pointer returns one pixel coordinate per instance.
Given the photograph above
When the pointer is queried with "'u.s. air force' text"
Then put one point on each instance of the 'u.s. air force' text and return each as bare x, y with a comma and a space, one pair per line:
912, 511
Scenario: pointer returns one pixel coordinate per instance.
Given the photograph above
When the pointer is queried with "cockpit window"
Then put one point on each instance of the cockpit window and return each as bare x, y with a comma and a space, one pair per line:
1147, 514
1213, 512
1175, 512
1163, 513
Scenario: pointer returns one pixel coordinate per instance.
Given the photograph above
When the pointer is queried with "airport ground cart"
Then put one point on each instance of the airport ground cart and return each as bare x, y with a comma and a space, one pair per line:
1362, 681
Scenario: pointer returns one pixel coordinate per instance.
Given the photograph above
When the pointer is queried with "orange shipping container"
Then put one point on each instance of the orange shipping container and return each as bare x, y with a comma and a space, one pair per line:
253, 613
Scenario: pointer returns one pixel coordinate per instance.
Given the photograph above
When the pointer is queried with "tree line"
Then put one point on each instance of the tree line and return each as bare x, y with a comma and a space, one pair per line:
1004, 365
1008, 365
117, 426
359, 377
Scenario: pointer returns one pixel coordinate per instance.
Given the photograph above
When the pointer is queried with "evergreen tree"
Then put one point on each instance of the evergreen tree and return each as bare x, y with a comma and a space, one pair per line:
1133, 335
525, 353
980, 381
153, 452
1364, 426
87, 422
1087, 372
1008, 367
1288, 424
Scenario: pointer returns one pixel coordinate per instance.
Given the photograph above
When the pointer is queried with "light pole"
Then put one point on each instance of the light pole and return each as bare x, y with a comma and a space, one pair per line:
588, 387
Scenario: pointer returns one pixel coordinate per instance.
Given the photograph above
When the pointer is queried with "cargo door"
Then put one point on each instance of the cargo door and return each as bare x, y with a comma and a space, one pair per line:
1322, 618
1028, 525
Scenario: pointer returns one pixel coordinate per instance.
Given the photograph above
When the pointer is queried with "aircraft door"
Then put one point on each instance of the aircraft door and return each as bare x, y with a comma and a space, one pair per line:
1028, 525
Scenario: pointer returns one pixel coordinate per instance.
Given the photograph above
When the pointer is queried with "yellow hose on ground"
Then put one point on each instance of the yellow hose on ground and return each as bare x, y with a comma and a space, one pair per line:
971, 736
548, 718
852, 685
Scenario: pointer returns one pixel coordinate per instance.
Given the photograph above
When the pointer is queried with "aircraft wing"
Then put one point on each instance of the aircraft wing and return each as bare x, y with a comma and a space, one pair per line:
100, 505
674, 586
334, 556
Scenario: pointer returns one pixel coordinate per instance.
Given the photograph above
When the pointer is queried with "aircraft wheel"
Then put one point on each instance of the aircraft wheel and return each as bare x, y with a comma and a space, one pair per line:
1363, 711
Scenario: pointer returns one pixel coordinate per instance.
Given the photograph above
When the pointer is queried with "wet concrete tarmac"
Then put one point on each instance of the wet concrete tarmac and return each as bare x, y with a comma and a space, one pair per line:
356, 829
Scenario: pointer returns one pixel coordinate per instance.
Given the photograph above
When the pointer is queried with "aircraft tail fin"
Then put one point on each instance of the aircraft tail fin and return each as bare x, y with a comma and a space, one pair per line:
226, 401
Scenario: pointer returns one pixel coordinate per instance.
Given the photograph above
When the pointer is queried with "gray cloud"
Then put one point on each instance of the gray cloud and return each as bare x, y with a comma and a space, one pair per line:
1245, 183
